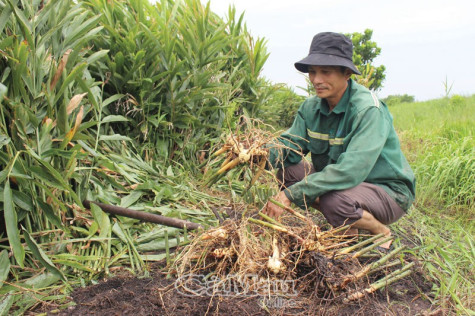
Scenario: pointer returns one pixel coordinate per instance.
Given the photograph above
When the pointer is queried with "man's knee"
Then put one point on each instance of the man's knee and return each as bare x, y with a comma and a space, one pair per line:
294, 173
338, 209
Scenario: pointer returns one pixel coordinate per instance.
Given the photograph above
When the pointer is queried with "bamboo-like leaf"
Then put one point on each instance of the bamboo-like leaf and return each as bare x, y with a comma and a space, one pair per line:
117, 230
42, 174
102, 219
3, 92
52, 172
7, 10
74, 102
6, 303
75, 73
42, 280
4, 140
42, 257
24, 23
111, 99
4, 266
50, 215
74, 264
59, 71
114, 137
96, 56
11, 224
112, 118
156, 245
131, 198
69, 135
22, 200
90, 94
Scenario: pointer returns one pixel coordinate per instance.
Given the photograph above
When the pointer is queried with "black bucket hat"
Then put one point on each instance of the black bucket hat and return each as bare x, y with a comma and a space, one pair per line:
329, 49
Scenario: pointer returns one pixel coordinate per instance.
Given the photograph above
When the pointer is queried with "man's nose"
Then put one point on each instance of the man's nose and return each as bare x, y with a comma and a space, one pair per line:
317, 79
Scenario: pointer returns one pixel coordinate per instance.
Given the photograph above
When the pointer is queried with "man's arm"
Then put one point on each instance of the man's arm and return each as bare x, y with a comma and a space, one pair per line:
292, 144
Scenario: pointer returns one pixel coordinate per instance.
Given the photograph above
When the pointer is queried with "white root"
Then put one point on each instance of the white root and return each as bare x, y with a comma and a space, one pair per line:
275, 264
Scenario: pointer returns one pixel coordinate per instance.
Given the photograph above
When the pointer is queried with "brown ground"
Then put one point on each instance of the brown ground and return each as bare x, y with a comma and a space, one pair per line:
157, 295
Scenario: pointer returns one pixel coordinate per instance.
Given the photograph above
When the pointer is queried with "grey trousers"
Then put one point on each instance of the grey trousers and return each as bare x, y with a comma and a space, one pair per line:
346, 206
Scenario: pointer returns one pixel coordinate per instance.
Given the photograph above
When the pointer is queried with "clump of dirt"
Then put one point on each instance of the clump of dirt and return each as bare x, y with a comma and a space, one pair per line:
161, 295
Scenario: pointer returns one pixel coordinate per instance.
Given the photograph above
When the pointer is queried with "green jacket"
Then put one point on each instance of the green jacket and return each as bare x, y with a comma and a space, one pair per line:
354, 143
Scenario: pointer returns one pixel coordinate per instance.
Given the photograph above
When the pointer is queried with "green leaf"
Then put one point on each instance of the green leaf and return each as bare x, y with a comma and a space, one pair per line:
76, 73
6, 15
74, 264
54, 175
131, 198
117, 230
40, 173
11, 224
24, 23
50, 215
4, 266
111, 99
114, 137
22, 200
96, 56
42, 280
112, 118
170, 172
3, 92
156, 245
102, 220
6, 303
4, 140
42, 257
158, 257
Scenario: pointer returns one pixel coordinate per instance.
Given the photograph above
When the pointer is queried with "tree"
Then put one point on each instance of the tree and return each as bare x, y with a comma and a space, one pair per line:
364, 52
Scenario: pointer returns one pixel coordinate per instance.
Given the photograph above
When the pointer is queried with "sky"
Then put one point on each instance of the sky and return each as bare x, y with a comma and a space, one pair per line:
426, 46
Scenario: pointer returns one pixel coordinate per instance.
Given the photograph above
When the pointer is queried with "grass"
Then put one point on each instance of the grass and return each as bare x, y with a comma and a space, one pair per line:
438, 139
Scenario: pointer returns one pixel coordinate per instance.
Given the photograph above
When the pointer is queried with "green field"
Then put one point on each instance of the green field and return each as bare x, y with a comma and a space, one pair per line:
438, 139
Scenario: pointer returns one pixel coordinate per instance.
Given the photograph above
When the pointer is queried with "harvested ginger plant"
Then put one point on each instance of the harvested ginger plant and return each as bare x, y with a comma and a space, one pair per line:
246, 146
258, 255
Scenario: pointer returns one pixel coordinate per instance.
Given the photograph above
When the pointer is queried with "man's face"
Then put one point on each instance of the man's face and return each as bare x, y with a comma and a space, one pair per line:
329, 82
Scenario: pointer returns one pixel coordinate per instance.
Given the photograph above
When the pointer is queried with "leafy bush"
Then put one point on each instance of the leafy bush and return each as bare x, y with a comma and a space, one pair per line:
395, 99
281, 108
457, 100
183, 72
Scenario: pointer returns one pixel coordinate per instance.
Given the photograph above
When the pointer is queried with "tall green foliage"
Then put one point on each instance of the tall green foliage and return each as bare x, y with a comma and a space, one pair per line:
91, 92
184, 72
443, 155
44, 71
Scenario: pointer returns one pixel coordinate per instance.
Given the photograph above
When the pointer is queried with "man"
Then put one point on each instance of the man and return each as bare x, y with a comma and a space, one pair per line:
358, 175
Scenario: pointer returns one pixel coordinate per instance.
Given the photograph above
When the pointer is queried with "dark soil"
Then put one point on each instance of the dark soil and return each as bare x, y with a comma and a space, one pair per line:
158, 295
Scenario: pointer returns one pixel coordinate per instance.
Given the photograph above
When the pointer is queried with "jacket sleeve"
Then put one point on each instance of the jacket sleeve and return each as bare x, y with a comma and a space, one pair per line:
364, 145
292, 144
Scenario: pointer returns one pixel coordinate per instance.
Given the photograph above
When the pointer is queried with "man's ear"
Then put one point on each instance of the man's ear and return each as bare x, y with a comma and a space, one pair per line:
348, 73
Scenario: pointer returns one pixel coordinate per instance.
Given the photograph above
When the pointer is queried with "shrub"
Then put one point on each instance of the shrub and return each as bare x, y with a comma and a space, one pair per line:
391, 100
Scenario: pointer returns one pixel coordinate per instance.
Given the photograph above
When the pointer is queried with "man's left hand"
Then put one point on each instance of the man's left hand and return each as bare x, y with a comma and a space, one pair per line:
273, 210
